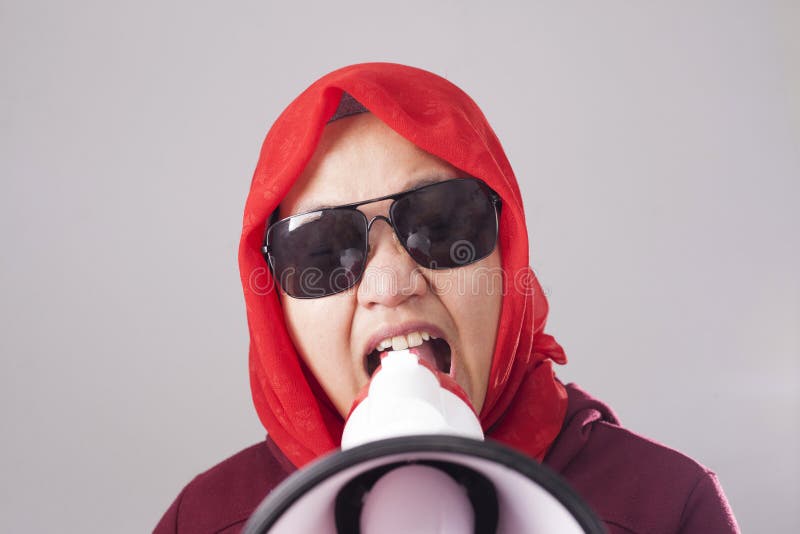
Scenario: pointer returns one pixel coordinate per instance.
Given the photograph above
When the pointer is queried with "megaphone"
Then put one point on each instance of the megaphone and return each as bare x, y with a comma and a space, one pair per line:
413, 460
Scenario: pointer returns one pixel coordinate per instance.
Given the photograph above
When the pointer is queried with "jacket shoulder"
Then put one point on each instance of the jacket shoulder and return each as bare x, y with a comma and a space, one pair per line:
221, 498
634, 483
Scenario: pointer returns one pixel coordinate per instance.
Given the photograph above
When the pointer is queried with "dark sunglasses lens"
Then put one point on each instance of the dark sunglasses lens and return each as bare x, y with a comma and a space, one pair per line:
319, 253
447, 225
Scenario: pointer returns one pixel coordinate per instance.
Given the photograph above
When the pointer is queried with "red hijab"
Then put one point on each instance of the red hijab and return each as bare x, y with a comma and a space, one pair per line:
524, 405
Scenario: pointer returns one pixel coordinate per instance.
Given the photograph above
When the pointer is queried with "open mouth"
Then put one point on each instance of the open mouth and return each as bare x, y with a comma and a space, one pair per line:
435, 351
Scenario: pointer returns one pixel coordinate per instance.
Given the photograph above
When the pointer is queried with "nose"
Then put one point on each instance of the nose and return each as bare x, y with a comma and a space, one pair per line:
391, 276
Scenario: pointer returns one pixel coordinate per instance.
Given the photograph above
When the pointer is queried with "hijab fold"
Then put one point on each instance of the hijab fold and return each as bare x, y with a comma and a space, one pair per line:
525, 405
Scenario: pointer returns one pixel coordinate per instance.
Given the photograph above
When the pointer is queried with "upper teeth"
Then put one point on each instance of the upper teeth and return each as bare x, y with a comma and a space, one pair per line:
412, 339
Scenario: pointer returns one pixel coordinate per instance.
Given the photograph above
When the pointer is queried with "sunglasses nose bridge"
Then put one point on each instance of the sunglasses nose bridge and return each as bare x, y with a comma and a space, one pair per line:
376, 218
369, 227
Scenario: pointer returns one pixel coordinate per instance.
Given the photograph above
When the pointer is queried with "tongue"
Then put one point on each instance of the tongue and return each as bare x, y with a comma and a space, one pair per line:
424, 352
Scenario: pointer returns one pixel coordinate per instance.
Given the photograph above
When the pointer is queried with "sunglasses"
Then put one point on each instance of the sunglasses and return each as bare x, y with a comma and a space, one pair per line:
443, 225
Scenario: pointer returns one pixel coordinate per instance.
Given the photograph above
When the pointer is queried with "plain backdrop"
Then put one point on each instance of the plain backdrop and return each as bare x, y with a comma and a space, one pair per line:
657, 145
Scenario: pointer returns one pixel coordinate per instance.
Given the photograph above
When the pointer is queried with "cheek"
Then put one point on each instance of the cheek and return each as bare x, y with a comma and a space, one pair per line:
320, 330
473, 297
317, 326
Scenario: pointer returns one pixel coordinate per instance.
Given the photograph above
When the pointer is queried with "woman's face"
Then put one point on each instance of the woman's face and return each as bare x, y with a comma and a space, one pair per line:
360, 158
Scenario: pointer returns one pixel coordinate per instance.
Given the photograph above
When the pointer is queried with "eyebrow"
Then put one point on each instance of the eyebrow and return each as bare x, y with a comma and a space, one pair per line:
416, 184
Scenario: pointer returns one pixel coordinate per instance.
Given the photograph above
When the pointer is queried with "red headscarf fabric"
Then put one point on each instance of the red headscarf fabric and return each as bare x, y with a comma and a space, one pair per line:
524, 405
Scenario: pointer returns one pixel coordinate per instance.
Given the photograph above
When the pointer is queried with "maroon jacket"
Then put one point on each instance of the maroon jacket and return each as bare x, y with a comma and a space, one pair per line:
633, 484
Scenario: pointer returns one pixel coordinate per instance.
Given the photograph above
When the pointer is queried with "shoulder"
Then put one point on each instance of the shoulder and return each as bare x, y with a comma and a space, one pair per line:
221, 499
635, 484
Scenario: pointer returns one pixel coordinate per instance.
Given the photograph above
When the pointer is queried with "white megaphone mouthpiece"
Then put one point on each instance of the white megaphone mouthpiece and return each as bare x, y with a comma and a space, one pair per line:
407, 397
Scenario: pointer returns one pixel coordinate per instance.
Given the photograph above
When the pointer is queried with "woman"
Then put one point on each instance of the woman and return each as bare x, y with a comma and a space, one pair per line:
445, 257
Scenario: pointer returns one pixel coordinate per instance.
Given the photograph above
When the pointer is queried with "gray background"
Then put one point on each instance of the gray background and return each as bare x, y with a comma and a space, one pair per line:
657, 145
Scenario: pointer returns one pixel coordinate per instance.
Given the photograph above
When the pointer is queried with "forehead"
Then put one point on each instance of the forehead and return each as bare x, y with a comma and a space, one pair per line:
359, 158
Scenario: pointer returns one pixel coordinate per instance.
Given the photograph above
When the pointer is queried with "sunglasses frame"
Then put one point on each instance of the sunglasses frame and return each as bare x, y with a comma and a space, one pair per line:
494, 199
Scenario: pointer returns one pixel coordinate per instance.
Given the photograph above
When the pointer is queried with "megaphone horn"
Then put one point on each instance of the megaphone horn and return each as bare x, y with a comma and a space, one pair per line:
413, 461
